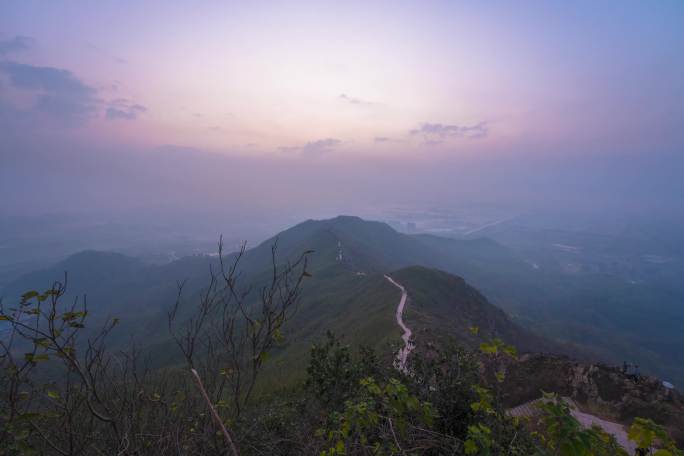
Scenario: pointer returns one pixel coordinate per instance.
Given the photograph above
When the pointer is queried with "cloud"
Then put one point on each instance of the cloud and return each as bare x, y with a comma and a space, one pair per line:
435, 133
128, 114
355, 101
49, 79
381, 139
313, 148
50, 97
16, 44
320, 146
58, 93
122, 109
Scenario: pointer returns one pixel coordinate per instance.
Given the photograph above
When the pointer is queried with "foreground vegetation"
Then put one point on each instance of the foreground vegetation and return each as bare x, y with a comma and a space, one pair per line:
63, 392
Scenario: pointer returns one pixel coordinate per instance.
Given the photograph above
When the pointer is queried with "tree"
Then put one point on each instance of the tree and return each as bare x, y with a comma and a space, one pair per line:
62, 391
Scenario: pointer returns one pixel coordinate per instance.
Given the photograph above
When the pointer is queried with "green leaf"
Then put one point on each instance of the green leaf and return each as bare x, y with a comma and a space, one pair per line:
488, 349
278, 336
510, 351
470, 447
28, 295
662, 453
68, 316
42, 342
412, 403
53, 394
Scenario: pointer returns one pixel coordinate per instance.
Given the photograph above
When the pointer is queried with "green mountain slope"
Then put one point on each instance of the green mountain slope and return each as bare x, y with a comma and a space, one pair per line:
442, 304
598, 313
347, 294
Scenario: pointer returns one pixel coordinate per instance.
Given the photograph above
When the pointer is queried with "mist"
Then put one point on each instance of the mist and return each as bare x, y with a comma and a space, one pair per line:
172, 180
454, 115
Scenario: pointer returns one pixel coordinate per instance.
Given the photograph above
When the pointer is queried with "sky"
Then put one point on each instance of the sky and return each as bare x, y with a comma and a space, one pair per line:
278, 105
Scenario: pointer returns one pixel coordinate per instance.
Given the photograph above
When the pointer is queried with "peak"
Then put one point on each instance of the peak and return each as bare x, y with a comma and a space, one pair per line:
95, 253
355, 221
347, 218
92, 254
341, 219
99, 257
344, 222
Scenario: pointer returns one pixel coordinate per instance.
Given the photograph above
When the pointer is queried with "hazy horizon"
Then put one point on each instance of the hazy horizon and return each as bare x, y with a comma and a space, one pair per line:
313, 109
407, 195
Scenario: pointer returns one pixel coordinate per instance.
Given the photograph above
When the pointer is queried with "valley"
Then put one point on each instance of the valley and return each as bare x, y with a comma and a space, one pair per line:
233, 228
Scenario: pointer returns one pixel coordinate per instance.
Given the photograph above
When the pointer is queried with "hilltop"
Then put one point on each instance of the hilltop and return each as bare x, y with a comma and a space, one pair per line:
346, 292
349, 257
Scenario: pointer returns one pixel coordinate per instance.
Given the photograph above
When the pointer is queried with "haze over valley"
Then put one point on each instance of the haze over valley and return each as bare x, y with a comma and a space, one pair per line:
368, 228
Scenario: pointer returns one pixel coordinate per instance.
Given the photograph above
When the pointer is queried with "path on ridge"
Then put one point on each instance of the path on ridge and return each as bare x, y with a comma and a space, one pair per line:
529, 409
402, 356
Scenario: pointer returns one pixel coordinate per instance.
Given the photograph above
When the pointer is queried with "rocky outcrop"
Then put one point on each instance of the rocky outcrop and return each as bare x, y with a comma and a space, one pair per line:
604, 391
619, 431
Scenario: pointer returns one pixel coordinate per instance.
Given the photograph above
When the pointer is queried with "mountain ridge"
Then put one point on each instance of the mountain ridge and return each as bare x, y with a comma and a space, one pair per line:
347, 292
368, 248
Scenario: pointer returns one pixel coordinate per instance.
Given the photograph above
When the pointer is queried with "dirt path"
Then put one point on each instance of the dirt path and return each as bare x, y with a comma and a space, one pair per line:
617, 430
402, 356
587, 420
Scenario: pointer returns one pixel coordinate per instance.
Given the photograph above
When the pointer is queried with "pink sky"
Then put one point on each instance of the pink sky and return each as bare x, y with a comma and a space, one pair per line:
274, 77
436, 93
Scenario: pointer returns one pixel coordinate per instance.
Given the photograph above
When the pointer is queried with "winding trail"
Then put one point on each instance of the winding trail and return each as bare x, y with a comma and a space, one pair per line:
529, 409
402, 356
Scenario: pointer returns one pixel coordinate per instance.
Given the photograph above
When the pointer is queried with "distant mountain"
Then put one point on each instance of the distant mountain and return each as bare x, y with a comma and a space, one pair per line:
348, 294
89, 269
